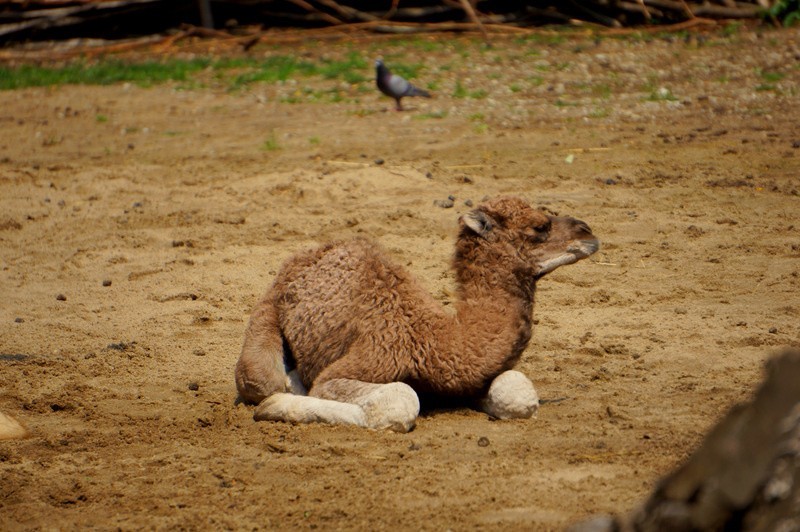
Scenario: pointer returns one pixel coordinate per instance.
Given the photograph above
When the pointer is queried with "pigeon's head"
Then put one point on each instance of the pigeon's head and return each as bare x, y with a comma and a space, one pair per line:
380, 68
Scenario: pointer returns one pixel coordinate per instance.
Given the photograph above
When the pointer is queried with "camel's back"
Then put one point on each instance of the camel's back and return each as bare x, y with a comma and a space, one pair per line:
342, 292
336, 274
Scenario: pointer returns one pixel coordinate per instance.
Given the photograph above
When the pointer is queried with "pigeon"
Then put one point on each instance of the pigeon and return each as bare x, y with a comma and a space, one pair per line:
395, 86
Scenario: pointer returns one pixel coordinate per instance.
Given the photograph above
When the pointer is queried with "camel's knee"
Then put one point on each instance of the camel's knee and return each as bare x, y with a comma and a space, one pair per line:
511, 396
255, 387
261, 372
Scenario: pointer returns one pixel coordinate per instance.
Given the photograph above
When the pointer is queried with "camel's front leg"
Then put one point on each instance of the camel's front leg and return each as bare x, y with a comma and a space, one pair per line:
304, 409
347, 402
511, 396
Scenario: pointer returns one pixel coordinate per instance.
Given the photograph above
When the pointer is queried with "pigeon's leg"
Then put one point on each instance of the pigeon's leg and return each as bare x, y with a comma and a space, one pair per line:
399, 106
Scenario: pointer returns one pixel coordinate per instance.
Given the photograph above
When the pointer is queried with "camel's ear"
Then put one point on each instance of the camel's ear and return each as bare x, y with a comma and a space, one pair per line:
479, 221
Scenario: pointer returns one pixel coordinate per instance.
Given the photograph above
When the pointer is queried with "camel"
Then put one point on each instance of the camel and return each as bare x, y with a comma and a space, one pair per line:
346, 336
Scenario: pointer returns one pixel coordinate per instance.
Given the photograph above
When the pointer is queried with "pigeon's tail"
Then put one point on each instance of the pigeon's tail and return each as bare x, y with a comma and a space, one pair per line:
416, 91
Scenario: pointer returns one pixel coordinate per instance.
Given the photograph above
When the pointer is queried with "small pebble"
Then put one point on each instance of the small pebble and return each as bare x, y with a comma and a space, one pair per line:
106, 282
379, 161
194, 386
444, 204
773, 330
483, 441
61, 297
200, 352
468, 203
610, 181
19, 320
796, 144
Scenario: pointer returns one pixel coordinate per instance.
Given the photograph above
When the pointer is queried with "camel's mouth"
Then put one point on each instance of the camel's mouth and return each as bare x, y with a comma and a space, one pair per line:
577, 250
584, 248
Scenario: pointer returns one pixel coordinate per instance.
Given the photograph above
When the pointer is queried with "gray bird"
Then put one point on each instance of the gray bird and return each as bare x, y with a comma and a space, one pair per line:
395, 86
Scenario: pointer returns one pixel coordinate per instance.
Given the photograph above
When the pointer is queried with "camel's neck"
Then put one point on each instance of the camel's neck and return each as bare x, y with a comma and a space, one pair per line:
502, 317
491, 329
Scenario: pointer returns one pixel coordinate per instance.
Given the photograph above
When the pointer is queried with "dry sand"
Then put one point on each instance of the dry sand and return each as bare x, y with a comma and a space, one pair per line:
138, 226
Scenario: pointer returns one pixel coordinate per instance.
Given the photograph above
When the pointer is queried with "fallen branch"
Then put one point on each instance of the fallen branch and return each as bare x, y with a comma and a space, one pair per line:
470, 11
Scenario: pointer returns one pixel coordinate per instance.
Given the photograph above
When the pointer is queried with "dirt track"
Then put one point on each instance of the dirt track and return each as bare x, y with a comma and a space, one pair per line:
683, 155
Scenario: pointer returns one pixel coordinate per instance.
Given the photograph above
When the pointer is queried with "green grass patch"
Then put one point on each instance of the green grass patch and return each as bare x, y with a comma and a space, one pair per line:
426, 45
731, 29
105, 72
350, 70
661, 95
236, 73
270, 144
771, 77
270, 70
600, 112
541, 39
459, 91
436, 115
766, 87
602, 91
565, 103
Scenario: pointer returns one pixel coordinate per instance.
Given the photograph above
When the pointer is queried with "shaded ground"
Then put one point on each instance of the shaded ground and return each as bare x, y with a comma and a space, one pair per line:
160, 215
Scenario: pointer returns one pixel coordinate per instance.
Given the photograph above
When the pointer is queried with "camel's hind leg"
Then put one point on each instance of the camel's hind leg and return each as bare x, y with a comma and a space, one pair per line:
392, 406
261, 370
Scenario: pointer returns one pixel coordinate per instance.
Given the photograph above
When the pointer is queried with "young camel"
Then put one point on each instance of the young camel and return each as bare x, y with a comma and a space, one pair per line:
363, 338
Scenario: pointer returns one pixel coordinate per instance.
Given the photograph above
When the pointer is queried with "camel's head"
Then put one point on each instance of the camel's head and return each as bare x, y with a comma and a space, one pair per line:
524, 238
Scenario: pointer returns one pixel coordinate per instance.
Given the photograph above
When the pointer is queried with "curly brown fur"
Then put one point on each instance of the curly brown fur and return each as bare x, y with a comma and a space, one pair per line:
346, 312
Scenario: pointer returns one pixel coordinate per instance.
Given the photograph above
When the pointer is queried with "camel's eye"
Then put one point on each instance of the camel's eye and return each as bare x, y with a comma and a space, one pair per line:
543, 228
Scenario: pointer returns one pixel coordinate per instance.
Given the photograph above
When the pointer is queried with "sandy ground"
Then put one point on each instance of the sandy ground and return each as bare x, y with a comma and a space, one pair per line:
138, 226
